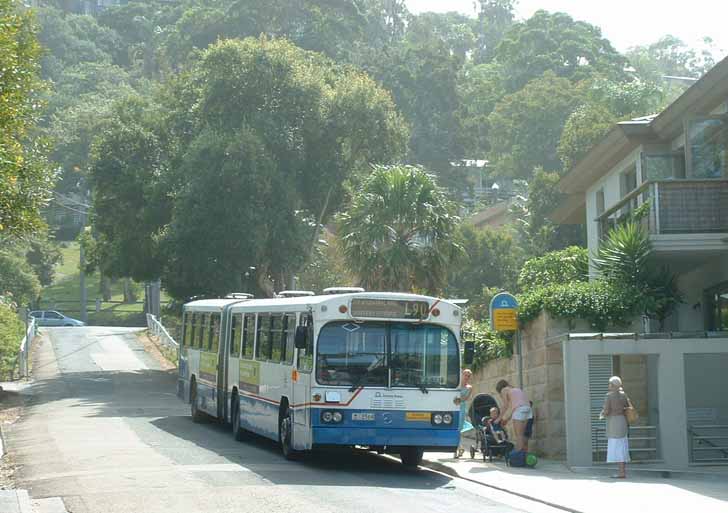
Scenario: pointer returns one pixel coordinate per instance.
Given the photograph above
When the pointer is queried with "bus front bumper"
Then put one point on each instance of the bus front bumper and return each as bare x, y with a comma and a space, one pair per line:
431, 439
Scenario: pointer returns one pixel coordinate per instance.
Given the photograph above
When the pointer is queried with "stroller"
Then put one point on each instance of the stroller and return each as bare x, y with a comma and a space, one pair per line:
485, 441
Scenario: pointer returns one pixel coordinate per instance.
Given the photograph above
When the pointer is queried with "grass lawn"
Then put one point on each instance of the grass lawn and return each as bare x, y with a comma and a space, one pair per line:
64, 295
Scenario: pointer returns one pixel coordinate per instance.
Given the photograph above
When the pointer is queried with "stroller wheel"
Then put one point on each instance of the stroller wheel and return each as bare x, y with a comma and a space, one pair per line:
472, 452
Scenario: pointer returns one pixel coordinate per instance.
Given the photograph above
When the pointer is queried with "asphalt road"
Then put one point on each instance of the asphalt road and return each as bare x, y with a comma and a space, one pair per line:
105, 432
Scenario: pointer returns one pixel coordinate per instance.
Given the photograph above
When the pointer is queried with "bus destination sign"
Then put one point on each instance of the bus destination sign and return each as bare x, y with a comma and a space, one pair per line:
389, 309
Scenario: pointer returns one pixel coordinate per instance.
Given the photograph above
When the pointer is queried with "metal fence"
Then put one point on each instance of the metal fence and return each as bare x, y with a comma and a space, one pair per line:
157, 329
708, 444
26, 346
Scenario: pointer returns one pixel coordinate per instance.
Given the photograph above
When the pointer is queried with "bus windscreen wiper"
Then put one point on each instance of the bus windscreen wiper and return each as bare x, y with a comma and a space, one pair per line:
422, 388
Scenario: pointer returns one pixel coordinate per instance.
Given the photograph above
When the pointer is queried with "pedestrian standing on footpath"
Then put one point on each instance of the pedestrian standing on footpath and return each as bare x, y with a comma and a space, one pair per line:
516, 407
466, 390
615, 405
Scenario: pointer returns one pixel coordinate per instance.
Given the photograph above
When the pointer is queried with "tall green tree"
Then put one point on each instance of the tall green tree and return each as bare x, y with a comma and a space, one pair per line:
525, 127
25, 179
399, 231
259, 127
555, 42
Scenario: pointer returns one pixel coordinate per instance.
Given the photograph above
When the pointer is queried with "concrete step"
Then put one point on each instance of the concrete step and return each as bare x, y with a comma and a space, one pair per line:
15, 501
49, 505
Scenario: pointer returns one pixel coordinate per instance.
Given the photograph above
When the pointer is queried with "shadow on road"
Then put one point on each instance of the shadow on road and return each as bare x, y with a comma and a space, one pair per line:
150, 394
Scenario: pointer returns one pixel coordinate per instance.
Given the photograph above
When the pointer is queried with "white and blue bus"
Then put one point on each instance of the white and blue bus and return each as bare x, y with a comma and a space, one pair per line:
363, 369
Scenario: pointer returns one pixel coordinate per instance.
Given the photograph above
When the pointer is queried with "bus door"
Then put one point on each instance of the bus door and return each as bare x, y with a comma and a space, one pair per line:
301, 381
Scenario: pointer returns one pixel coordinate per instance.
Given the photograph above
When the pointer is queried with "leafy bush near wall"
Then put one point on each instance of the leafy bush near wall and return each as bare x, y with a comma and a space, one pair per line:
558, 267
600, 303
489, 345
11, 334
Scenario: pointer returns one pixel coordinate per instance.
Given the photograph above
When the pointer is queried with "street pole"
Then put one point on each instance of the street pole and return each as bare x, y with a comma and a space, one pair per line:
82, 273
519, 348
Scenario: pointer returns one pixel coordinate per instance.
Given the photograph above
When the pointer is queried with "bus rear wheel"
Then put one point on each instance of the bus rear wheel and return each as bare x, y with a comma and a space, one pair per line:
197, 415
238, 432
411, 456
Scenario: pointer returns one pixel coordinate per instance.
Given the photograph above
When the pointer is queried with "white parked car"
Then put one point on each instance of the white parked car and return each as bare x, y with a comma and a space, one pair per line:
53, 318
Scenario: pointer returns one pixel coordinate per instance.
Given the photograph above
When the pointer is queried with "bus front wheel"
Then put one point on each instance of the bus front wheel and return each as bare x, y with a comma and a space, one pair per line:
285, 435
411, 456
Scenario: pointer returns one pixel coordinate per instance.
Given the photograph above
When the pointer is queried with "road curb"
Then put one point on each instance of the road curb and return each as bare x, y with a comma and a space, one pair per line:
445, 469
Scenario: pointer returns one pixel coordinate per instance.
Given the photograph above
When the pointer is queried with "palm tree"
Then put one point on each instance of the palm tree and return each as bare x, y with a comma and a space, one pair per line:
399, 231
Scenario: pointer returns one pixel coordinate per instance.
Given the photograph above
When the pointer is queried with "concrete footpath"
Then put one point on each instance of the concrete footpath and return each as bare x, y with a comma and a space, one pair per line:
592, 490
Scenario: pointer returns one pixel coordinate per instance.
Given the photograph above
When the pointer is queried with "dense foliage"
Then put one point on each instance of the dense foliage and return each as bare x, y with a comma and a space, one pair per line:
182, 128
25, 179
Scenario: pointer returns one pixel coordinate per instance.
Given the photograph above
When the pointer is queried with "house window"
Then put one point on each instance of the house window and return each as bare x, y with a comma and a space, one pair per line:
663, 166
707, 140
717, 311
629, 180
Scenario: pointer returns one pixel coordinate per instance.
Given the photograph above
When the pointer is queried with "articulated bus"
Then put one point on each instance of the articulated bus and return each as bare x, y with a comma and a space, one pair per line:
364, 369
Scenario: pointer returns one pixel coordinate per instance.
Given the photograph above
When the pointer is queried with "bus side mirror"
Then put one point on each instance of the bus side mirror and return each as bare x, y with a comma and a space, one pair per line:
300, 339
469, 353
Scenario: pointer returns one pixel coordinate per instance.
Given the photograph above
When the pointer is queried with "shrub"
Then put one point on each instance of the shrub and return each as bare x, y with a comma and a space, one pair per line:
489, 345
600, 303
11, 334
555, 268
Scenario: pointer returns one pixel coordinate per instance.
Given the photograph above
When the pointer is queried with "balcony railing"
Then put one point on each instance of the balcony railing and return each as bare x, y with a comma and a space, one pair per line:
675, 207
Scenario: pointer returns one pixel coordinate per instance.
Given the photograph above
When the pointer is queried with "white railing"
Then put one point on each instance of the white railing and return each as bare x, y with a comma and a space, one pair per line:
157, 329
26, 346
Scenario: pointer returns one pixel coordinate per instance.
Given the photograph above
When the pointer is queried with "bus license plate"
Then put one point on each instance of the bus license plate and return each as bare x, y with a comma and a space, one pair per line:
362, 416
419, 415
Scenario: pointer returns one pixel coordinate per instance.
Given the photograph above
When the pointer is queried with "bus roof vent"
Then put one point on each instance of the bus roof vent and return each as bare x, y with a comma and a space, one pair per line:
343, 290
295, 293
239, 295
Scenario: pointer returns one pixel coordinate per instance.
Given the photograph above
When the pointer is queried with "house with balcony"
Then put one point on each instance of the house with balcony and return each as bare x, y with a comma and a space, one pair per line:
673, 167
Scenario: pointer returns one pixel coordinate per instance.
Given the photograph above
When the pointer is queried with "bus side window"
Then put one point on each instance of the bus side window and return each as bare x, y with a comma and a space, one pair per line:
214, 332
185, 329
262, 348
235, 335
203, 320
248, 335
276, 337
193, 327
305, 356
289, 332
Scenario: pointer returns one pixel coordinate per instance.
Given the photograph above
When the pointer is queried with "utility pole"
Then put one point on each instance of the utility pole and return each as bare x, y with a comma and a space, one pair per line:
82, 271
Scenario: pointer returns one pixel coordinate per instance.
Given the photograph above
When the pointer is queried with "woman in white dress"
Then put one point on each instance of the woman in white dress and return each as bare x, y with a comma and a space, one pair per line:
617, 427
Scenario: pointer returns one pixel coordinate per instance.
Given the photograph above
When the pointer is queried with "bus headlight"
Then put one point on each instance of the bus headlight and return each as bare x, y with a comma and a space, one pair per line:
331, 417
437, 419
447, 418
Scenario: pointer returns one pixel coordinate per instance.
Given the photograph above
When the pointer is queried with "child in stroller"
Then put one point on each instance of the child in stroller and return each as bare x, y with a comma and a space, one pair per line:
491, 438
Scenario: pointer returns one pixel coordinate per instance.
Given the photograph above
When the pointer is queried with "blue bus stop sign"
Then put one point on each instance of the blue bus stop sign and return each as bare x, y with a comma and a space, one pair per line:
504, 312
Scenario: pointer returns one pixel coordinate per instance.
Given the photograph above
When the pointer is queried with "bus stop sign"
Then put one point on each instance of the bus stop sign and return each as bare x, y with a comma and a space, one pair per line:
504, 312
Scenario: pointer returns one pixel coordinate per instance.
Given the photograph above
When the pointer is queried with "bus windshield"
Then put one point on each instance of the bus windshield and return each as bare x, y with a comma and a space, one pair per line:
363, 354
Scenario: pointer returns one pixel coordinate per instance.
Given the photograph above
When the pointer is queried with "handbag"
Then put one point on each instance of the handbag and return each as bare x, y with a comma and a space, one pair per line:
630, 413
